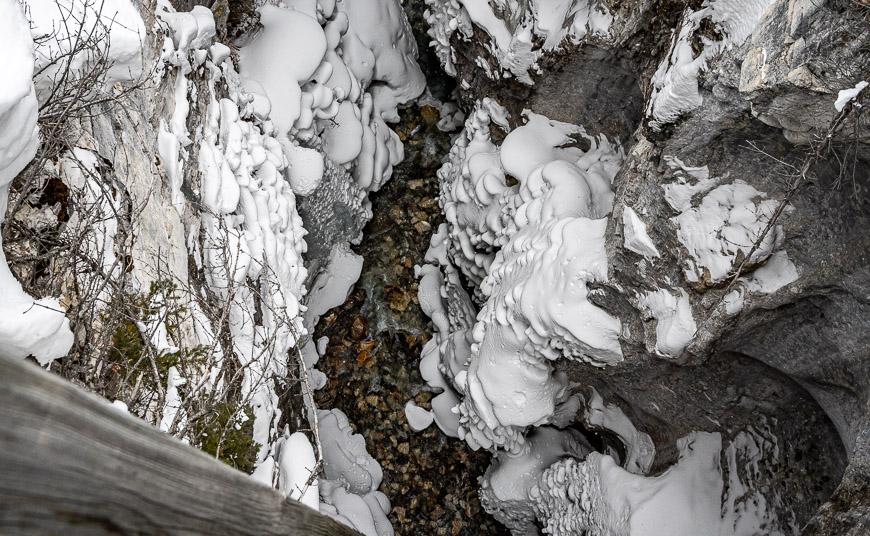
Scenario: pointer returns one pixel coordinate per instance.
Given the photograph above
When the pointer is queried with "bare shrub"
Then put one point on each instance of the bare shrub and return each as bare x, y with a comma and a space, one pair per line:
69, 231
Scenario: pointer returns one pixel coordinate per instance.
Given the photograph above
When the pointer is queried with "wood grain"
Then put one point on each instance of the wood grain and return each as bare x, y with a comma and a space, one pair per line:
70, 463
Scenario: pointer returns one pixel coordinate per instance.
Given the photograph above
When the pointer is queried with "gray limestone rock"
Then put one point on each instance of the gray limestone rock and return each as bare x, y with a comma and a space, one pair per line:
794, 359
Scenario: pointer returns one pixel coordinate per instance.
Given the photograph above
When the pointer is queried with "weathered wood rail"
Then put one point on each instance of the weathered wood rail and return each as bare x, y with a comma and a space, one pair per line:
72, 464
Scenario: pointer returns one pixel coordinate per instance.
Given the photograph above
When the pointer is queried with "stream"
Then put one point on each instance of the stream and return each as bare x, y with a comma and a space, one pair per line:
373, 356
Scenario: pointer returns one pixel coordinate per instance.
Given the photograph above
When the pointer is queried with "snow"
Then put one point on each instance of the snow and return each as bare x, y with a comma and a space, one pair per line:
333, 285
445, 356
481, 13
451, 118
520, 246
675, 325
322, 343
444, 409
296, 463
724, 228
596, 496
511, 477
553, 245
351, 477
531, 251
513, 38
364, 514
380, 47
299, 36
736, 19
342, 142
590, 18
675, 82
344, 454
635, 236
776, 273
418, 418
173, 140
253, 231
115, 25
253, 154
690, 181
734, 302
638, 445
685, 500
249, 231
27, 326
746, 510
341, 80
172, 404
305, 167
325, 78
190, 34
847, 95
190, 31
19, 135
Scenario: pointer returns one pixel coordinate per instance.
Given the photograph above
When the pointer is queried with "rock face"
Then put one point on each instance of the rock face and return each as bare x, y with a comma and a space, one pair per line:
190, 156
714, 284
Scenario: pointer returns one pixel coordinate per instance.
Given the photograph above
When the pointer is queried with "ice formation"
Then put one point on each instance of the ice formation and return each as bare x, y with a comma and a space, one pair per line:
725, 227
347, 66
635, 236
675, 84
675, 325
639, 447
418, 418
331, 287
572, 490
597, 496
27, 326
513, 281
522, 245
723, 230
777, 272
351, 478
188, 32
359, 64
506, 486
513, 27
297, 464
249, 229
173, 400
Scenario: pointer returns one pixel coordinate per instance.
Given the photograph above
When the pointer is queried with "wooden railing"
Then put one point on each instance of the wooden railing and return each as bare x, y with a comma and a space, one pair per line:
70, 463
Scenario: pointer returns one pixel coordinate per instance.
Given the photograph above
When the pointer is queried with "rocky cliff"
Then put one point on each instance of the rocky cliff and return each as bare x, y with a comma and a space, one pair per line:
655, 237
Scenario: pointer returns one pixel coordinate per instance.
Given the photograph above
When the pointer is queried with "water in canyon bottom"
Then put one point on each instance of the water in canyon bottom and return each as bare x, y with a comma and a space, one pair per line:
375, 338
